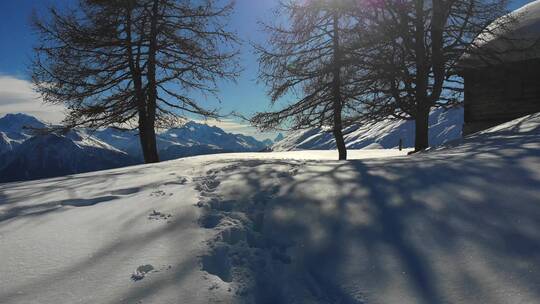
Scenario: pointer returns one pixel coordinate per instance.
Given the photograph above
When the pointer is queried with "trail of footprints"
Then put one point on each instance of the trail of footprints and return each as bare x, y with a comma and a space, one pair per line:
143, 270
238, 249
156, 215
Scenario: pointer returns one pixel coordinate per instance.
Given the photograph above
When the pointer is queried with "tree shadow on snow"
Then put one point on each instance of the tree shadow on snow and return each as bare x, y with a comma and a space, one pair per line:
452, 225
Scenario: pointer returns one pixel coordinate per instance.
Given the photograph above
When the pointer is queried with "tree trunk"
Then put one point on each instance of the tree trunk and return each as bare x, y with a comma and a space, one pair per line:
340, 143
338, 124
147, 136
421, 141
148, 129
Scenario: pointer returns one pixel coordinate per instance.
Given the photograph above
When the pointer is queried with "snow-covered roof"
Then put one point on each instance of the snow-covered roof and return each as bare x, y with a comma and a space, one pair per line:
511, 38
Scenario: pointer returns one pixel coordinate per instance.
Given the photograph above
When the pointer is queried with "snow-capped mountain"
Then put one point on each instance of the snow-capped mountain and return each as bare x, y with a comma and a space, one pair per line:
52, 155
268, 142
279, 137
18, 127
445, 125
192, 134
26, 154
15, 129
189, 140
125, 140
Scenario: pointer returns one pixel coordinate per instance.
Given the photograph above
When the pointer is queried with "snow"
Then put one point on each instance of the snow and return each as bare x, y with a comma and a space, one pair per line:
18, 124
56, 155
84, 140
5, 143
457, 224
510, 38
524, 124
445, 126
26, 155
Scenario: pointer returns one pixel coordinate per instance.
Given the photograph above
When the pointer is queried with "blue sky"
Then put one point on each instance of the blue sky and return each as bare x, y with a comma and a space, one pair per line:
244, 96
16, 41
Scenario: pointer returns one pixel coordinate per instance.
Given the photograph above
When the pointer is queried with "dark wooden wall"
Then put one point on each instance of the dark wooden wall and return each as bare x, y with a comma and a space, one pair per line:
498, 94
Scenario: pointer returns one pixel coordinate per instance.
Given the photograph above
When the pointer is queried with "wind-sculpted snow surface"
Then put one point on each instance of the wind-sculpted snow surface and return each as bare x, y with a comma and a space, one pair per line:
457, 224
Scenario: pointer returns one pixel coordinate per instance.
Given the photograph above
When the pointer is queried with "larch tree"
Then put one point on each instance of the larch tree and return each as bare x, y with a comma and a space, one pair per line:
407, 52
307, 60
133, 62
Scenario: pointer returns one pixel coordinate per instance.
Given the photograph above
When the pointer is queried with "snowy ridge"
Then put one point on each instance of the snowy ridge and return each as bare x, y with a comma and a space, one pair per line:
445, 125
456, 224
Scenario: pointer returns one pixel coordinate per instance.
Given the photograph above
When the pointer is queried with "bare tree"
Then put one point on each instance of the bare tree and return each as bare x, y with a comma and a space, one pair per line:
407, 51
133, 62
307, 59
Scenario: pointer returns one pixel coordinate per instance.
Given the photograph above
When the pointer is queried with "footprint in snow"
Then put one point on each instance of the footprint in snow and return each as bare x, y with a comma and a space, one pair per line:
160, 193
181, 181
207, 184
141, 272
156, 215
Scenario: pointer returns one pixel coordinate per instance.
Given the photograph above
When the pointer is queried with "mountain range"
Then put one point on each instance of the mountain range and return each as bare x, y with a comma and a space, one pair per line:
26, 153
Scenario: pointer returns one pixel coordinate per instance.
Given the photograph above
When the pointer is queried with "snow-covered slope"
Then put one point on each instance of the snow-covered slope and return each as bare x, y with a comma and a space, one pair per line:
457, 224
445, 125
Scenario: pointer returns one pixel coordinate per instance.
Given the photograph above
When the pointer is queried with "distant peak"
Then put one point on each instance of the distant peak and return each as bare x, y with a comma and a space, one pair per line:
19, 120
20, 117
